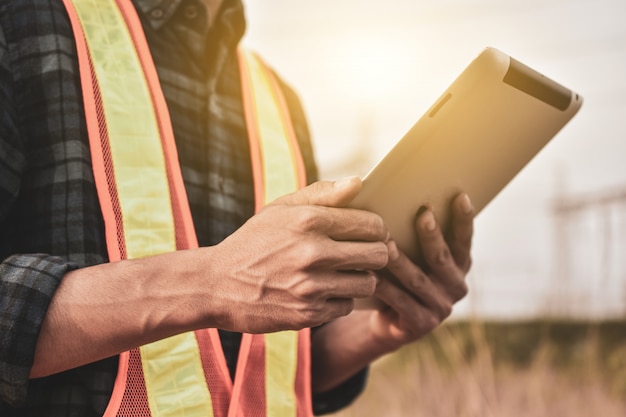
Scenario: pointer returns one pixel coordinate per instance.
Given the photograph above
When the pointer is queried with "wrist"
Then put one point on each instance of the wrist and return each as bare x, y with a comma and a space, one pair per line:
183, 283
381, 338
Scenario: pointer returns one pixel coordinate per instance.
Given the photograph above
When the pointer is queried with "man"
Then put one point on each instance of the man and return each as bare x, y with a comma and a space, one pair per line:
66, 312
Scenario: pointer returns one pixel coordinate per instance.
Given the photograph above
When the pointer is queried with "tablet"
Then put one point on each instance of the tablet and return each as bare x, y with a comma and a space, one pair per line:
491, 121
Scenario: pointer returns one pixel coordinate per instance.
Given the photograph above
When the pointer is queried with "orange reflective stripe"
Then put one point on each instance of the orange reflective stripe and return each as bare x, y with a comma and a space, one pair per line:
249, 390
303, 375
215, 370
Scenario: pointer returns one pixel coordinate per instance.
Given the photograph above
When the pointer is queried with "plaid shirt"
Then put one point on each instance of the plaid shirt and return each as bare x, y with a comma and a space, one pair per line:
50, 221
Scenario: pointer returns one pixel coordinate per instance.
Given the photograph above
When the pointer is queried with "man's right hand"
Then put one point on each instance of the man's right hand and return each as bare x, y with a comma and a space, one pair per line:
290, 266
297, 262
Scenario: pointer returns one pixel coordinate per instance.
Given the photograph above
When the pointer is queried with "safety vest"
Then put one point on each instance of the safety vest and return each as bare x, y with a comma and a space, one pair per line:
146, 212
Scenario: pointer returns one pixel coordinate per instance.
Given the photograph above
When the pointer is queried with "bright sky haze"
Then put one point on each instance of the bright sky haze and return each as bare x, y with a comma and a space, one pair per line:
367, 70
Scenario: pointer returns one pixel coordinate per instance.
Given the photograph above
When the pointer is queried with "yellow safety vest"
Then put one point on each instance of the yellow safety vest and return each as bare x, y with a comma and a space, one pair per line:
146, 212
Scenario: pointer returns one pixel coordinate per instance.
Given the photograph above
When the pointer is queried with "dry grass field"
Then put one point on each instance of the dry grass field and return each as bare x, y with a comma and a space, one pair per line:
503, 369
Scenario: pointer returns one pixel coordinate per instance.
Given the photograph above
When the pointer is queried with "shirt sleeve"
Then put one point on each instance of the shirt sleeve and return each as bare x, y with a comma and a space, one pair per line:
27, 284
341, 396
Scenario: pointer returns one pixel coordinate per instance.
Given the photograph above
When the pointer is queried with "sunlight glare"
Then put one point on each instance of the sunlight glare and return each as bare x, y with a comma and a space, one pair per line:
368, 66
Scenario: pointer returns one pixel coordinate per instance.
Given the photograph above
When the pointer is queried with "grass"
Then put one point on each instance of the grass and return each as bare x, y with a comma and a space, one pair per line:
472, 369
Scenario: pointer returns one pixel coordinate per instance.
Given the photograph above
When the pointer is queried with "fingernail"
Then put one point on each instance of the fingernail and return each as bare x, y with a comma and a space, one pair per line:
466, 204
421, 211
343, 183
428, 221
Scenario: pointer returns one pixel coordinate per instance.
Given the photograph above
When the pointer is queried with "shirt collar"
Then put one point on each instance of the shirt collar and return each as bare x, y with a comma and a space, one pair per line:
158, 12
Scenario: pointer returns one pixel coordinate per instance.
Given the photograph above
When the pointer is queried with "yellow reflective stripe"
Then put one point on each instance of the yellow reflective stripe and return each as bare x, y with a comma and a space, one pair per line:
174, 385
281, 359
173, 371
279, 169
138, 162
280, 175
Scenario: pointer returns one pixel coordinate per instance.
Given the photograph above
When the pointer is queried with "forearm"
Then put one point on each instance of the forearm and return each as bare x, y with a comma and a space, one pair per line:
342, 348
103, 310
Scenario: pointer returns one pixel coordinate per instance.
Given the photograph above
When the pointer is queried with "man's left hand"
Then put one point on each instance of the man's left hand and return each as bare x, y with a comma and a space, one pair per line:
418, 298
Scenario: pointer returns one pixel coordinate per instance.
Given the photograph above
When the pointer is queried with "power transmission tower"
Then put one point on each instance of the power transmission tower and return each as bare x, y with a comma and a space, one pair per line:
568, 211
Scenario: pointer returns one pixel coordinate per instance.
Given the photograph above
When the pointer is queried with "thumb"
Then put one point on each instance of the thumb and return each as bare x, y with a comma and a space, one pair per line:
324, 193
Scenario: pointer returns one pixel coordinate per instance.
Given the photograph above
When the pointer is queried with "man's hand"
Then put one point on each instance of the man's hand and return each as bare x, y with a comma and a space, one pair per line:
298, 262
418, 298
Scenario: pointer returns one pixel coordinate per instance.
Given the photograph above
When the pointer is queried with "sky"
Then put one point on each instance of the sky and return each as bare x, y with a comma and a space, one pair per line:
367, 70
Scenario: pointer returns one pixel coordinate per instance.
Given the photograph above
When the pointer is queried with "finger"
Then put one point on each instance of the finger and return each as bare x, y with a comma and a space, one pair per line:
410, 276
461, 231
413, 316
347, 256
324, 193
356, 225
396, 298
336, 223
415, 281
349, 284
338, 307
438, 257
412, 319
328, 310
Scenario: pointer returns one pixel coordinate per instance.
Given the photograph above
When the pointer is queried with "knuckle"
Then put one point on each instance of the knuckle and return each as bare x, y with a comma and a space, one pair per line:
323, 311
377, 224
305, 289
312, 316
417, 283
430, 322
381, 255
310, 253
369, 285
441, 257
440, 308
309, 319
373, 280
307, 218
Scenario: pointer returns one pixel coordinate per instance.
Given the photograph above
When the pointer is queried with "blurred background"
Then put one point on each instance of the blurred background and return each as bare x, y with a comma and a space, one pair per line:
542, 327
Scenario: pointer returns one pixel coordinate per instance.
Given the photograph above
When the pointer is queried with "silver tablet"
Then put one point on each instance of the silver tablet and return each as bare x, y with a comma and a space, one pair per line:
490, 122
